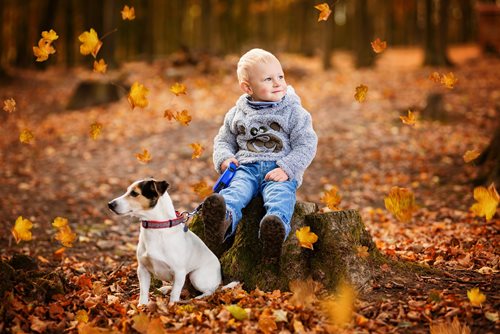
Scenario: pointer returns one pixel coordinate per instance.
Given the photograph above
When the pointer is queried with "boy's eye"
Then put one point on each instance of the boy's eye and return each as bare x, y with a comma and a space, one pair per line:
134, 193
282, 77
267, 79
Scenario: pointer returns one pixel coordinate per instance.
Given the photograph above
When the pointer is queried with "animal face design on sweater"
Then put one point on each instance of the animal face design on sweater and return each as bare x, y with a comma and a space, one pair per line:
261, 139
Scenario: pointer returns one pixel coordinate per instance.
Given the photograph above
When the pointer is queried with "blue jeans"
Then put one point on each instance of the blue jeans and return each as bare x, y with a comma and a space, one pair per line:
248, 182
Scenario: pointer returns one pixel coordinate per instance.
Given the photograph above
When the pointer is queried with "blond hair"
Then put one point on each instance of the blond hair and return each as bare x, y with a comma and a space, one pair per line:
249, 59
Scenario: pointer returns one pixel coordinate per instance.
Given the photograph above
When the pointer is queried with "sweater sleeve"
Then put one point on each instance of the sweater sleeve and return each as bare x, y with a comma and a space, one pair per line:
225, 145
303, 142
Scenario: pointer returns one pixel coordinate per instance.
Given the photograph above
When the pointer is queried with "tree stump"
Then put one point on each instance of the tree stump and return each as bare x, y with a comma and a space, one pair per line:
335, 256
93, 93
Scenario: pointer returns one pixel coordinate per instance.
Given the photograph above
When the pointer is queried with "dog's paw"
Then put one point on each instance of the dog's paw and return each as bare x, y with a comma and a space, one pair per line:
165, 289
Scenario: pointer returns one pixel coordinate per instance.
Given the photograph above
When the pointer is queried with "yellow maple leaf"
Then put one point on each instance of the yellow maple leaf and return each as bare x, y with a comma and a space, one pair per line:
43, 50
448, 328
9, 105
331, 198
435, 76
267, 322
202, 189
26, 136
22, 229
100, 66
339, 310
178, 89
91, 44
487, 202
137, 96
401, 203
471, 155
65, 235
144, 157
60, 222
362, 251
324, 11
197, 150
169, 114
183, 117
95, 130
128, 13
82, 316
304, 291
50, 35
411, 119
476, 297
306, 237
449, 80
361, 92
378, 46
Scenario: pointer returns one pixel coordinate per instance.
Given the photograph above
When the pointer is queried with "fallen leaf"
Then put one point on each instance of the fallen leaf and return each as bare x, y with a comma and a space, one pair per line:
487, 202
128, 13
267, 323
82, 316
361, 92
449, 328
410, 119
197, 150
324, 11
491, 316
9, 105
178, 89
22, 229
91, 44
237, 312
144, 157
362, 251
66, 236
471, 155
476, 297
100, 66
141, 323
401, 203
306, 237
137, 96
26, 136
378, 46
304, 292
331, 198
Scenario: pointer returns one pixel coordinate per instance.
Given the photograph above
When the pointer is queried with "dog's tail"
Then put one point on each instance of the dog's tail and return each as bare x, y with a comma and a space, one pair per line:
231, 285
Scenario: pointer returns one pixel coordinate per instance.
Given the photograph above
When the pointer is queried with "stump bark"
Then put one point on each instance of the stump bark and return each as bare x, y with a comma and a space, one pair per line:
334, 257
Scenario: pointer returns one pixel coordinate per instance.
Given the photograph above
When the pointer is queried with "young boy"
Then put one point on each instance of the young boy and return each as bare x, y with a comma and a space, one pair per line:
269, 136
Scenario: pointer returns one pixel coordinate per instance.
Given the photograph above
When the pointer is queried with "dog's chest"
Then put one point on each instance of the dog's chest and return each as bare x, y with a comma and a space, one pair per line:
157, 263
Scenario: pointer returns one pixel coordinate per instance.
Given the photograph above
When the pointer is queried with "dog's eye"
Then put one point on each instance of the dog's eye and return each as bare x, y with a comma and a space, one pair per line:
134, 193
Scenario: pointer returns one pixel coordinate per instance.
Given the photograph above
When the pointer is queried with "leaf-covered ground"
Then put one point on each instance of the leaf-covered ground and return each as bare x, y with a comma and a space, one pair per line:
364, 150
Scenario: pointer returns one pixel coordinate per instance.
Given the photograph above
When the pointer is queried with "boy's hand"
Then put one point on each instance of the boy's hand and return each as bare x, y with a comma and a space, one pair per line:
225, 163
277, 175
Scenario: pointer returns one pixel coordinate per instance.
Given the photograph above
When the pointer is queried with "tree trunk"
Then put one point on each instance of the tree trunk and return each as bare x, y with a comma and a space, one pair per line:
334, 258
489, 160
363, 34
436, 38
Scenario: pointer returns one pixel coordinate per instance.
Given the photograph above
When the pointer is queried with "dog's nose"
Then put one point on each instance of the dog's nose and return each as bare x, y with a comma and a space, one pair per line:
112, 205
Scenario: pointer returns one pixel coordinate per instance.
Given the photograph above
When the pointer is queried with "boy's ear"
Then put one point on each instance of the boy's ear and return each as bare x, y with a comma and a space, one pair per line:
245, 86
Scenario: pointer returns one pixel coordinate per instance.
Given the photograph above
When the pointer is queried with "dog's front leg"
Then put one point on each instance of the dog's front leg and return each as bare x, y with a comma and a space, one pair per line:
179, 280
144, 283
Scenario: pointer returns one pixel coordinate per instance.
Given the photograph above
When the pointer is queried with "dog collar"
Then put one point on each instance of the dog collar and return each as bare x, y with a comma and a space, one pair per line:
164, 223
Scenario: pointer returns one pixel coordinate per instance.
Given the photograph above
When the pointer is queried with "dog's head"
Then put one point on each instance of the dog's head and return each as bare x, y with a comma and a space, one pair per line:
141, 196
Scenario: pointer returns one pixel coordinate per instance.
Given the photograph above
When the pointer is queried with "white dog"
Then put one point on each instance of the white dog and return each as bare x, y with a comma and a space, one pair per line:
166, 249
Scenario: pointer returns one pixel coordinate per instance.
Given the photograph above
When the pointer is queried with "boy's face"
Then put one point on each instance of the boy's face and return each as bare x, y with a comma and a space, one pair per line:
266, 82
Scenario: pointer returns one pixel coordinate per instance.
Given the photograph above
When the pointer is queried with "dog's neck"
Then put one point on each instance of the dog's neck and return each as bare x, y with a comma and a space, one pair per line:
163, 210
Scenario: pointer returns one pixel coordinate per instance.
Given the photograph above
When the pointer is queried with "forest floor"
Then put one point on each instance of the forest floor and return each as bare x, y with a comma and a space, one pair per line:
364, 150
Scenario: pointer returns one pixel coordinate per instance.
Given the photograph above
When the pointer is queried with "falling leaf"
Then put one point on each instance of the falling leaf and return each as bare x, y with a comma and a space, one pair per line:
487, 202
82, 316
237, 312
95, 130
43, 50
267, 323
362, 251
178, 89
202, 189
26, 136
304, 292
446, 328
361, 92
476, 297
137, 96
471, 155
66, 236
435, 76
306, 237
449, 80
197, 150
128, 13
401, 203
183, 117
324, 11
90, 43
144, 157
100, 66
60, 222
378, 46
169, 114
339, 310
50, 35
331, 198
9, 105
410, 119
22, 229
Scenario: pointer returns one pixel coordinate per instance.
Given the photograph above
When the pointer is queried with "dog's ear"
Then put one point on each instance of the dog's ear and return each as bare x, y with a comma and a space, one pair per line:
161, 187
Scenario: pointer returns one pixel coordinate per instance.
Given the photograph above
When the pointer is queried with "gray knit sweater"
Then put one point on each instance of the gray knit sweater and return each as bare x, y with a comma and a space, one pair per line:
282, 133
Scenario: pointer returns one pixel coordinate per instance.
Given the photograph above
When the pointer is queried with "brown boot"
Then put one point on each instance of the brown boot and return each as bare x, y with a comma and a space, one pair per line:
272, 235
216, 224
